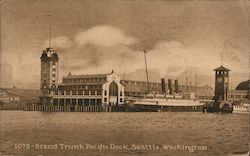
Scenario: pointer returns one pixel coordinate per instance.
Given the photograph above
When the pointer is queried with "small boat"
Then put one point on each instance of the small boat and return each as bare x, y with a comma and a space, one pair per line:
218, 107
226, 107
241, 108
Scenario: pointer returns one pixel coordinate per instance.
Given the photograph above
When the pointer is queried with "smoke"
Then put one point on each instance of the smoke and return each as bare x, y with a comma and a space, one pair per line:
106, 36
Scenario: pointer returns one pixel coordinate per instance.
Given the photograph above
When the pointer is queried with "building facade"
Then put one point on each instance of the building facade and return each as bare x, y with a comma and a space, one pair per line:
85, 90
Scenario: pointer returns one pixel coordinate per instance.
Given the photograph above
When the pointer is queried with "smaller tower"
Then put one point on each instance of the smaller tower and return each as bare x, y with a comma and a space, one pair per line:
49, 74
221, 83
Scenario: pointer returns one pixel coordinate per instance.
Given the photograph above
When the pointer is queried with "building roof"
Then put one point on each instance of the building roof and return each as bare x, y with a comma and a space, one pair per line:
81, 83
24, 93
221, 68
86, 76
243, 85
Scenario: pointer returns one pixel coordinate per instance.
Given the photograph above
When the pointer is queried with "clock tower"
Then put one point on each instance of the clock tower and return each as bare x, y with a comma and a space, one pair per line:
221, 83
49, 74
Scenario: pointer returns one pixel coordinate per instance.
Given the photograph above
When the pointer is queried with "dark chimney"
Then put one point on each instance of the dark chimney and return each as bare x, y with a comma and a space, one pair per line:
176, 85
170, 87
163, 84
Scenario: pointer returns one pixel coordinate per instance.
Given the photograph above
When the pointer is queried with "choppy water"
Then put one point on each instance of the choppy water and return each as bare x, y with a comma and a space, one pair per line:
222, 134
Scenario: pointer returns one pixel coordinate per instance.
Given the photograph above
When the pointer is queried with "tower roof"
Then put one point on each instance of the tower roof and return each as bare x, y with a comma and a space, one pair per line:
49, 53
221, 68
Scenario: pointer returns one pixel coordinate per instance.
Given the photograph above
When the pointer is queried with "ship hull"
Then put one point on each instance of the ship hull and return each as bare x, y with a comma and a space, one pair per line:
162, 105
145, 108
243, 108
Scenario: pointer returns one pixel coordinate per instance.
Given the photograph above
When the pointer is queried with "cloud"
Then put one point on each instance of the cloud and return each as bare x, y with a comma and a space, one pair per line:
104, 36
98, 59
59, 42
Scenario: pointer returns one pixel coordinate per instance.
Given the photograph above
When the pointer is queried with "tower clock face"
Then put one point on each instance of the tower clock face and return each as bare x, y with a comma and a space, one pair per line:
219, 79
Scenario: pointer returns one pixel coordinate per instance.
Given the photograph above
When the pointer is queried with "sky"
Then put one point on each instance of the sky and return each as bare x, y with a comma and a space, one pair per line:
96, 36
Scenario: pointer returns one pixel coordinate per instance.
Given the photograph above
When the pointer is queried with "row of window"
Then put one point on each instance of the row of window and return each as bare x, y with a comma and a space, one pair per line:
194, 87
237, 96
85, 87
45, 81
65, 80
140, 83
79, 92
105, 93
221, 72
105, 99
85, 102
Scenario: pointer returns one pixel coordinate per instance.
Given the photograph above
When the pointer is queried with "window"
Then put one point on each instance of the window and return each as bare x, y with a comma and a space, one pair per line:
62, 92
67, 92
105, 99
73, 92
86, 93
105, 92
79, 92
53, 75
120, 99
99, 92
120, 93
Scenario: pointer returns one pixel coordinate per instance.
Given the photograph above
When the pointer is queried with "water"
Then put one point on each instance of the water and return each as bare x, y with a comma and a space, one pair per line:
221, 134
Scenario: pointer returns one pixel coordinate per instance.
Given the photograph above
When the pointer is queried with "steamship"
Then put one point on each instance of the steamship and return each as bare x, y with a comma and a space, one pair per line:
163, 102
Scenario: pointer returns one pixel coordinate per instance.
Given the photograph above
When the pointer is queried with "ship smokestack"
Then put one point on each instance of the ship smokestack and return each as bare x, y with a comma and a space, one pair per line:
176, 85
170, 87
163, 84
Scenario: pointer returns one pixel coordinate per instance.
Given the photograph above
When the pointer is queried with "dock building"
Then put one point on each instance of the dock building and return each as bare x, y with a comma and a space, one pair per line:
106, 89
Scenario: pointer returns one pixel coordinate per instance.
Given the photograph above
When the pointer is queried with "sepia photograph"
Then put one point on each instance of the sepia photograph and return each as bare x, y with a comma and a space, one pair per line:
124, 77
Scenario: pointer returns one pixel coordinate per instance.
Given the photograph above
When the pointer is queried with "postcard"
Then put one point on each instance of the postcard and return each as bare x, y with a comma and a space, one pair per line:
124, 77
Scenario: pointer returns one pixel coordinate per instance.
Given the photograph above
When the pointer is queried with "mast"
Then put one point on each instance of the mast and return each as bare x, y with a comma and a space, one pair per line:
222, 53
50, 22
222, 58
187, 86
50, 36
248, 88
146, 69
